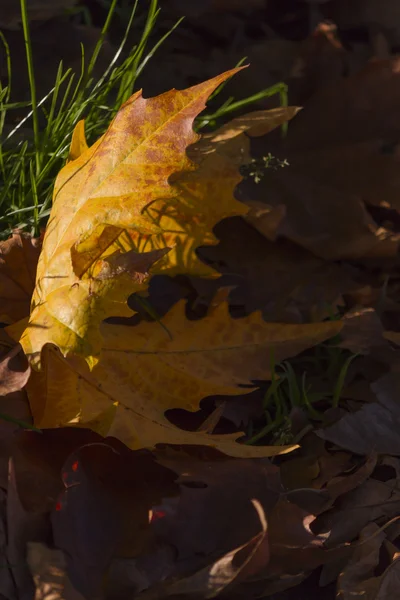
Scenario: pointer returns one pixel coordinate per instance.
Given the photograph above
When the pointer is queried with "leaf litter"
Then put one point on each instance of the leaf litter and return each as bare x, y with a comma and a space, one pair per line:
128, 502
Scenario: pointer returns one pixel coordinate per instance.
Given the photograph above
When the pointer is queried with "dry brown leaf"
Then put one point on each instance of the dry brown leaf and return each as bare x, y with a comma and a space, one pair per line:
48, 568
373, 15
209, 582
37, 461
368, 503
214, 494
389, 582
18, 262
14, 405
320, 60
373, 428
104, 510
14, 370
342, 156
358, 577
286, 282
295, 548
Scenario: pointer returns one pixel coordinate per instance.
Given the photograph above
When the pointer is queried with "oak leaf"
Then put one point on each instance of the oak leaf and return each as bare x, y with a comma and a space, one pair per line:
142, 372
107, 204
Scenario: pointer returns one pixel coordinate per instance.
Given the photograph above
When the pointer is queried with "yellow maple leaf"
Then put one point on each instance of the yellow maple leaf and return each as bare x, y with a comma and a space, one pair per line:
142, 373
96, 248
207, 193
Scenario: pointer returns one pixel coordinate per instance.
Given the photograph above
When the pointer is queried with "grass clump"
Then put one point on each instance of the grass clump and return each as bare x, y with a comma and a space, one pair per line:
28, 167
293, 387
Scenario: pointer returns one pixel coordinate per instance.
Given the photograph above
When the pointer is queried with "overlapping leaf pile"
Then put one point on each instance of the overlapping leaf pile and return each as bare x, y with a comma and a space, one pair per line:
206, 514
132, 203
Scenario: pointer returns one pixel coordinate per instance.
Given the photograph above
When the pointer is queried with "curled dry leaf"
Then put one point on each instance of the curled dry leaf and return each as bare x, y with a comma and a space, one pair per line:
107, 202
143, 372
14, 370
18, 263
14, 405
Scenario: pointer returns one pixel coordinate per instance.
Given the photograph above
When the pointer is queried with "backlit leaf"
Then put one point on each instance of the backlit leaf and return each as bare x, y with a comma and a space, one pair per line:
101, 212
142, 373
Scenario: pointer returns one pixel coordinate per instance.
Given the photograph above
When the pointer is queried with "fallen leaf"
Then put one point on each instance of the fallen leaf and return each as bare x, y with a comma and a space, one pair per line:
18, 262
373, 428
284, 281
104, 510
7, 582
339, 486
22, 527
358, 576
371, 501
232, 140
330, 465
218, 156
320, 60
214, 494
127, 577
371, 14
212, 356
299, 472
78, 141
212, 580
389, 582
336, 149
294, 546
14, 371
37, 462
101, 208
363, 332
48, 569
14, 405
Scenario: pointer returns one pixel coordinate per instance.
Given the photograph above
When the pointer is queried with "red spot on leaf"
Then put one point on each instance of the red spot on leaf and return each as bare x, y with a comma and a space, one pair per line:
157, 514
58, 506
75, 466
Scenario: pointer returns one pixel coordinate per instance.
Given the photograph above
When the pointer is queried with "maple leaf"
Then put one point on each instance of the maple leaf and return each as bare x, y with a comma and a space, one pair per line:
142, 372
96, 249
206, 194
